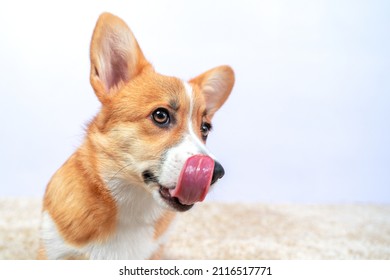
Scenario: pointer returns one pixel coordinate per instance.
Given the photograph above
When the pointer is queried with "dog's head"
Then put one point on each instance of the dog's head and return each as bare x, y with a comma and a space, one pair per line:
151, 130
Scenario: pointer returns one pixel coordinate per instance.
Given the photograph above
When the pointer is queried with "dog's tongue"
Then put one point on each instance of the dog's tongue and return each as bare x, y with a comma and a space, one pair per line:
194, 180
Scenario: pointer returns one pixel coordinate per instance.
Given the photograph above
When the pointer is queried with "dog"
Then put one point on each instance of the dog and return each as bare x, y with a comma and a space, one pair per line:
143, 158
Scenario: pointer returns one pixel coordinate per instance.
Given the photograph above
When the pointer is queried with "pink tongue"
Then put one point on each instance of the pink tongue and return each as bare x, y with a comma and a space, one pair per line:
194, 180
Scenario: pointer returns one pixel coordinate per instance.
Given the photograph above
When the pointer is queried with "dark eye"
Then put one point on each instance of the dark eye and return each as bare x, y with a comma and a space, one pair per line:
161, 117
205, 130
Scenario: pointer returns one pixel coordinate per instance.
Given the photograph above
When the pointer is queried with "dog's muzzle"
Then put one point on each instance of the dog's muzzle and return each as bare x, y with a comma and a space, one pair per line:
198, 173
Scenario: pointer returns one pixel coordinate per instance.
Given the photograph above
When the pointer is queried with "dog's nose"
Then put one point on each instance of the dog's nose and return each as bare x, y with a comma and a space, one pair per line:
218, 172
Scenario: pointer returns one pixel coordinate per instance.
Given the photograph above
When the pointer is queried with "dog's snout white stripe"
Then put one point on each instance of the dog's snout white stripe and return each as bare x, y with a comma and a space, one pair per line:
191, 133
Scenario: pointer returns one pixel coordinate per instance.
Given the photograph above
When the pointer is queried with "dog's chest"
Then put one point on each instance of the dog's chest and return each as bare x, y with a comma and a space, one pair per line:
130, 241
134, 236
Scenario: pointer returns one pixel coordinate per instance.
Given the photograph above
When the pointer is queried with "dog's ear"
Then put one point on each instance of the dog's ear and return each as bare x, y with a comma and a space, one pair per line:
216, 85
115, 54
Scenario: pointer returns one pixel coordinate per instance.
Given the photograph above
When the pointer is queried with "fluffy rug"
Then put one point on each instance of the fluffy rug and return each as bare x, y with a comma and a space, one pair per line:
238, 231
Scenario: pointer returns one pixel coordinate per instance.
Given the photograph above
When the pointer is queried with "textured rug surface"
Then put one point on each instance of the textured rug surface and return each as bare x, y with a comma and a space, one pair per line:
238, 231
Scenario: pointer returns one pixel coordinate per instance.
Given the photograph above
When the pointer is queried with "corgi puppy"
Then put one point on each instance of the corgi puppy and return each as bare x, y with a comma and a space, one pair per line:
143, 157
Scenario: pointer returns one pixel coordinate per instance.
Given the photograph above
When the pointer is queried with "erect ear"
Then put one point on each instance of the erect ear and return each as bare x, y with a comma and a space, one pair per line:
116, 56
216, 85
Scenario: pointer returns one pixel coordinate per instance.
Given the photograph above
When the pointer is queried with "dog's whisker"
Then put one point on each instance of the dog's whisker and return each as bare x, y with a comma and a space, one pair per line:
120, 170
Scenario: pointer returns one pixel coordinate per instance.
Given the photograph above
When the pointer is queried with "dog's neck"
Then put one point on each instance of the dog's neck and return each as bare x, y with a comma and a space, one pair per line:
135, 205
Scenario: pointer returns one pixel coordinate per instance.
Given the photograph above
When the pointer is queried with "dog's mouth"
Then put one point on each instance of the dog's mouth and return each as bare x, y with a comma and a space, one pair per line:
174, 202
192, 185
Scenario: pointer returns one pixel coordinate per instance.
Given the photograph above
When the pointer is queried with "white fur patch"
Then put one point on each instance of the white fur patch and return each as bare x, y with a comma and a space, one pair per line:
55, 246
137, 213
203, 149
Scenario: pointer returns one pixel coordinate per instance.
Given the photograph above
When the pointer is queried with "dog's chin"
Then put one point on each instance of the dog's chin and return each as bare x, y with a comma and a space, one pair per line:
172, 202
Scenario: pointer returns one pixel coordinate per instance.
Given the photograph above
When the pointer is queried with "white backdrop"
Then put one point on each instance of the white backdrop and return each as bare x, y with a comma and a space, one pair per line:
308, 119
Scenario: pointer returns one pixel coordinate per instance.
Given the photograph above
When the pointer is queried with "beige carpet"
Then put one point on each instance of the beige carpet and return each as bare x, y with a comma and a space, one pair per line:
238, 231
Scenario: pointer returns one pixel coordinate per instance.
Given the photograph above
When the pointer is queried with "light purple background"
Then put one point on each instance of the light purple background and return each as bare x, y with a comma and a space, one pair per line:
308, 119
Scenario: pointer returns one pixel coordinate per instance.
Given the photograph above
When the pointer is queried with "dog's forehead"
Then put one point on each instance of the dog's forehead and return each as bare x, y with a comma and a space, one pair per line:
172, 91
159, 90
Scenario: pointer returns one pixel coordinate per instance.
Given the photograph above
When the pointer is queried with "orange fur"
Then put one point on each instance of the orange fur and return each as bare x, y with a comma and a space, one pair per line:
82, 206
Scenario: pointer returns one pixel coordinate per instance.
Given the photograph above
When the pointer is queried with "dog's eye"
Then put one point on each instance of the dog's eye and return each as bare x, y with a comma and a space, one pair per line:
205, 130
161, 117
